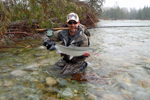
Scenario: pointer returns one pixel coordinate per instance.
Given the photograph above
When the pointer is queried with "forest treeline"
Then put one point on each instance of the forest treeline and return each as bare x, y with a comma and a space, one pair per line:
124, 13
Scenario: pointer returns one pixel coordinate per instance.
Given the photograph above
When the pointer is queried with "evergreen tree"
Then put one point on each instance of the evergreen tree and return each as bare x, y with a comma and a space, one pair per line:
123, 13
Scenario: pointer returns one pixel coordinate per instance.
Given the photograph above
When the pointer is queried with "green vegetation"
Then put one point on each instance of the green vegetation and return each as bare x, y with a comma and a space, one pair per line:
19, 19
47, 13
123, 13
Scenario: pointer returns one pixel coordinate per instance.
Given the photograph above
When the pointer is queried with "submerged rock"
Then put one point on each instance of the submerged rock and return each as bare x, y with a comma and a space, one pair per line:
40, 86
33, 97
127, 96
50, 90
33, 67
144, 83
92, 97
49, 98
139, 95
62, 82
77, 98
86, 76
51, 81
40, 48
68, 92
112, 97
147, 66
90, 77
9, 83
18, 73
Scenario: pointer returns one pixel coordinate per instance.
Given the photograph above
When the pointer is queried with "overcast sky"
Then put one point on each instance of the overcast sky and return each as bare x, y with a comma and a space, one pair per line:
127, 3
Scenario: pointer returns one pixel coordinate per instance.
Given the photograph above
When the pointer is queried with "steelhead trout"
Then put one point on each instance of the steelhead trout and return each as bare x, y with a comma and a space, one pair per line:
72, 50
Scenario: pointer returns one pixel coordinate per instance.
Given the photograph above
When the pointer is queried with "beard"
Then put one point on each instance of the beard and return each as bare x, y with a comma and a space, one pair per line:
73, 29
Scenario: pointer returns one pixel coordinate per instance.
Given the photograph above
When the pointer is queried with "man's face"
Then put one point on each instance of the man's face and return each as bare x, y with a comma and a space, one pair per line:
73, 25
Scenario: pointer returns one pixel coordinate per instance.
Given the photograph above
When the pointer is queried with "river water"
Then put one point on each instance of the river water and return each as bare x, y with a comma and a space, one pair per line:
121, 59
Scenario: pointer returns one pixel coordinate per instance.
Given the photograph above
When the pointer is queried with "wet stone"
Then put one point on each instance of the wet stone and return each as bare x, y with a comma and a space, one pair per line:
68, 92
128, 97
77, 98
6, 70
33, 97
100, 89
75, 91
127, 80
51, 81
129, 88
33, 67
111, 97
44, 63
126, 92
49, 98
62, 82
9, 83
124, 86
144, 83
50, 90
34, 73
147, 66
41, 48
18, 73
92, 97
134, 75
139, 95
39, 59
17, 64
40, 86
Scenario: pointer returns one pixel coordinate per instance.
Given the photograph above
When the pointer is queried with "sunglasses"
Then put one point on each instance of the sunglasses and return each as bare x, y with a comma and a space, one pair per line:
72, 22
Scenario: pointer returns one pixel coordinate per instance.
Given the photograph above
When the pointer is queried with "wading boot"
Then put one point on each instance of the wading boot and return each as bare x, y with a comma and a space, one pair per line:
83, 66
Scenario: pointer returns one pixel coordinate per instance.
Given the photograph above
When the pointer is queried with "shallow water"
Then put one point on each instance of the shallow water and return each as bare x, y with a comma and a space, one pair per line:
122, 59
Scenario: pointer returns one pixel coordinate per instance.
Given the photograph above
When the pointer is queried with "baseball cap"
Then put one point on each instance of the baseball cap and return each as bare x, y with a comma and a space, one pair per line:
72, 16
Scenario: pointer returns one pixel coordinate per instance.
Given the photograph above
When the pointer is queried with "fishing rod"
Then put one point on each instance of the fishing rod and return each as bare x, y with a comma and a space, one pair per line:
50, 31
115, 26
66, 28
54, 29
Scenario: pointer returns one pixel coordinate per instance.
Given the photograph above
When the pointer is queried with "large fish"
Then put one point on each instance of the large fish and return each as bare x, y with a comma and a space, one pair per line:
72, 50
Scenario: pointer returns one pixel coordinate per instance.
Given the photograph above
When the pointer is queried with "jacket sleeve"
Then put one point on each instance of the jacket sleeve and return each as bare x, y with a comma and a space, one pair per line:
85, 41
53, 38
84, 28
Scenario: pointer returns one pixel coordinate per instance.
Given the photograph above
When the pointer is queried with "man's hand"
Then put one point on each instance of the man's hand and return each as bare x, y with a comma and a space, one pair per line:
49, 44
86, 54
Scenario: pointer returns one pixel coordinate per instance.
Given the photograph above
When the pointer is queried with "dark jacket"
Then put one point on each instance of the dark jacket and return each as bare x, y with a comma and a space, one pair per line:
79, 40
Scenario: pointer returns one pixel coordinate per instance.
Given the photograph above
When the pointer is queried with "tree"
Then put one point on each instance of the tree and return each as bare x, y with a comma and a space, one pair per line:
123, 13
95, 4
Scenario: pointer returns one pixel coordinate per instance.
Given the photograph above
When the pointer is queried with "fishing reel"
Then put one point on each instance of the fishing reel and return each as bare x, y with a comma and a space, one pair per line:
49, 32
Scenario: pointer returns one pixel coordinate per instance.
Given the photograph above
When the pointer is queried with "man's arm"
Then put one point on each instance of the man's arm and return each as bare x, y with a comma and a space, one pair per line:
50, 42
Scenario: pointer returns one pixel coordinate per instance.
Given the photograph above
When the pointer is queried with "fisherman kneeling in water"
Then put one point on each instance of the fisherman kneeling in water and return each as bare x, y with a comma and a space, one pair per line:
76, 35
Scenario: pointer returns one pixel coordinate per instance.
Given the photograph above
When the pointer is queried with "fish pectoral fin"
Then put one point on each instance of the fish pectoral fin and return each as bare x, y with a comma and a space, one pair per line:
70, 57
58, 51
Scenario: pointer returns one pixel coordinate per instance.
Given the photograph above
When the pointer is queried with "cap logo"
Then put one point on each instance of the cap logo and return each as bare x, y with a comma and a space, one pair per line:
72, 15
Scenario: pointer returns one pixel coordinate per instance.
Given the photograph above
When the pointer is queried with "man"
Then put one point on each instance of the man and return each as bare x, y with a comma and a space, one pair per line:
74, 36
